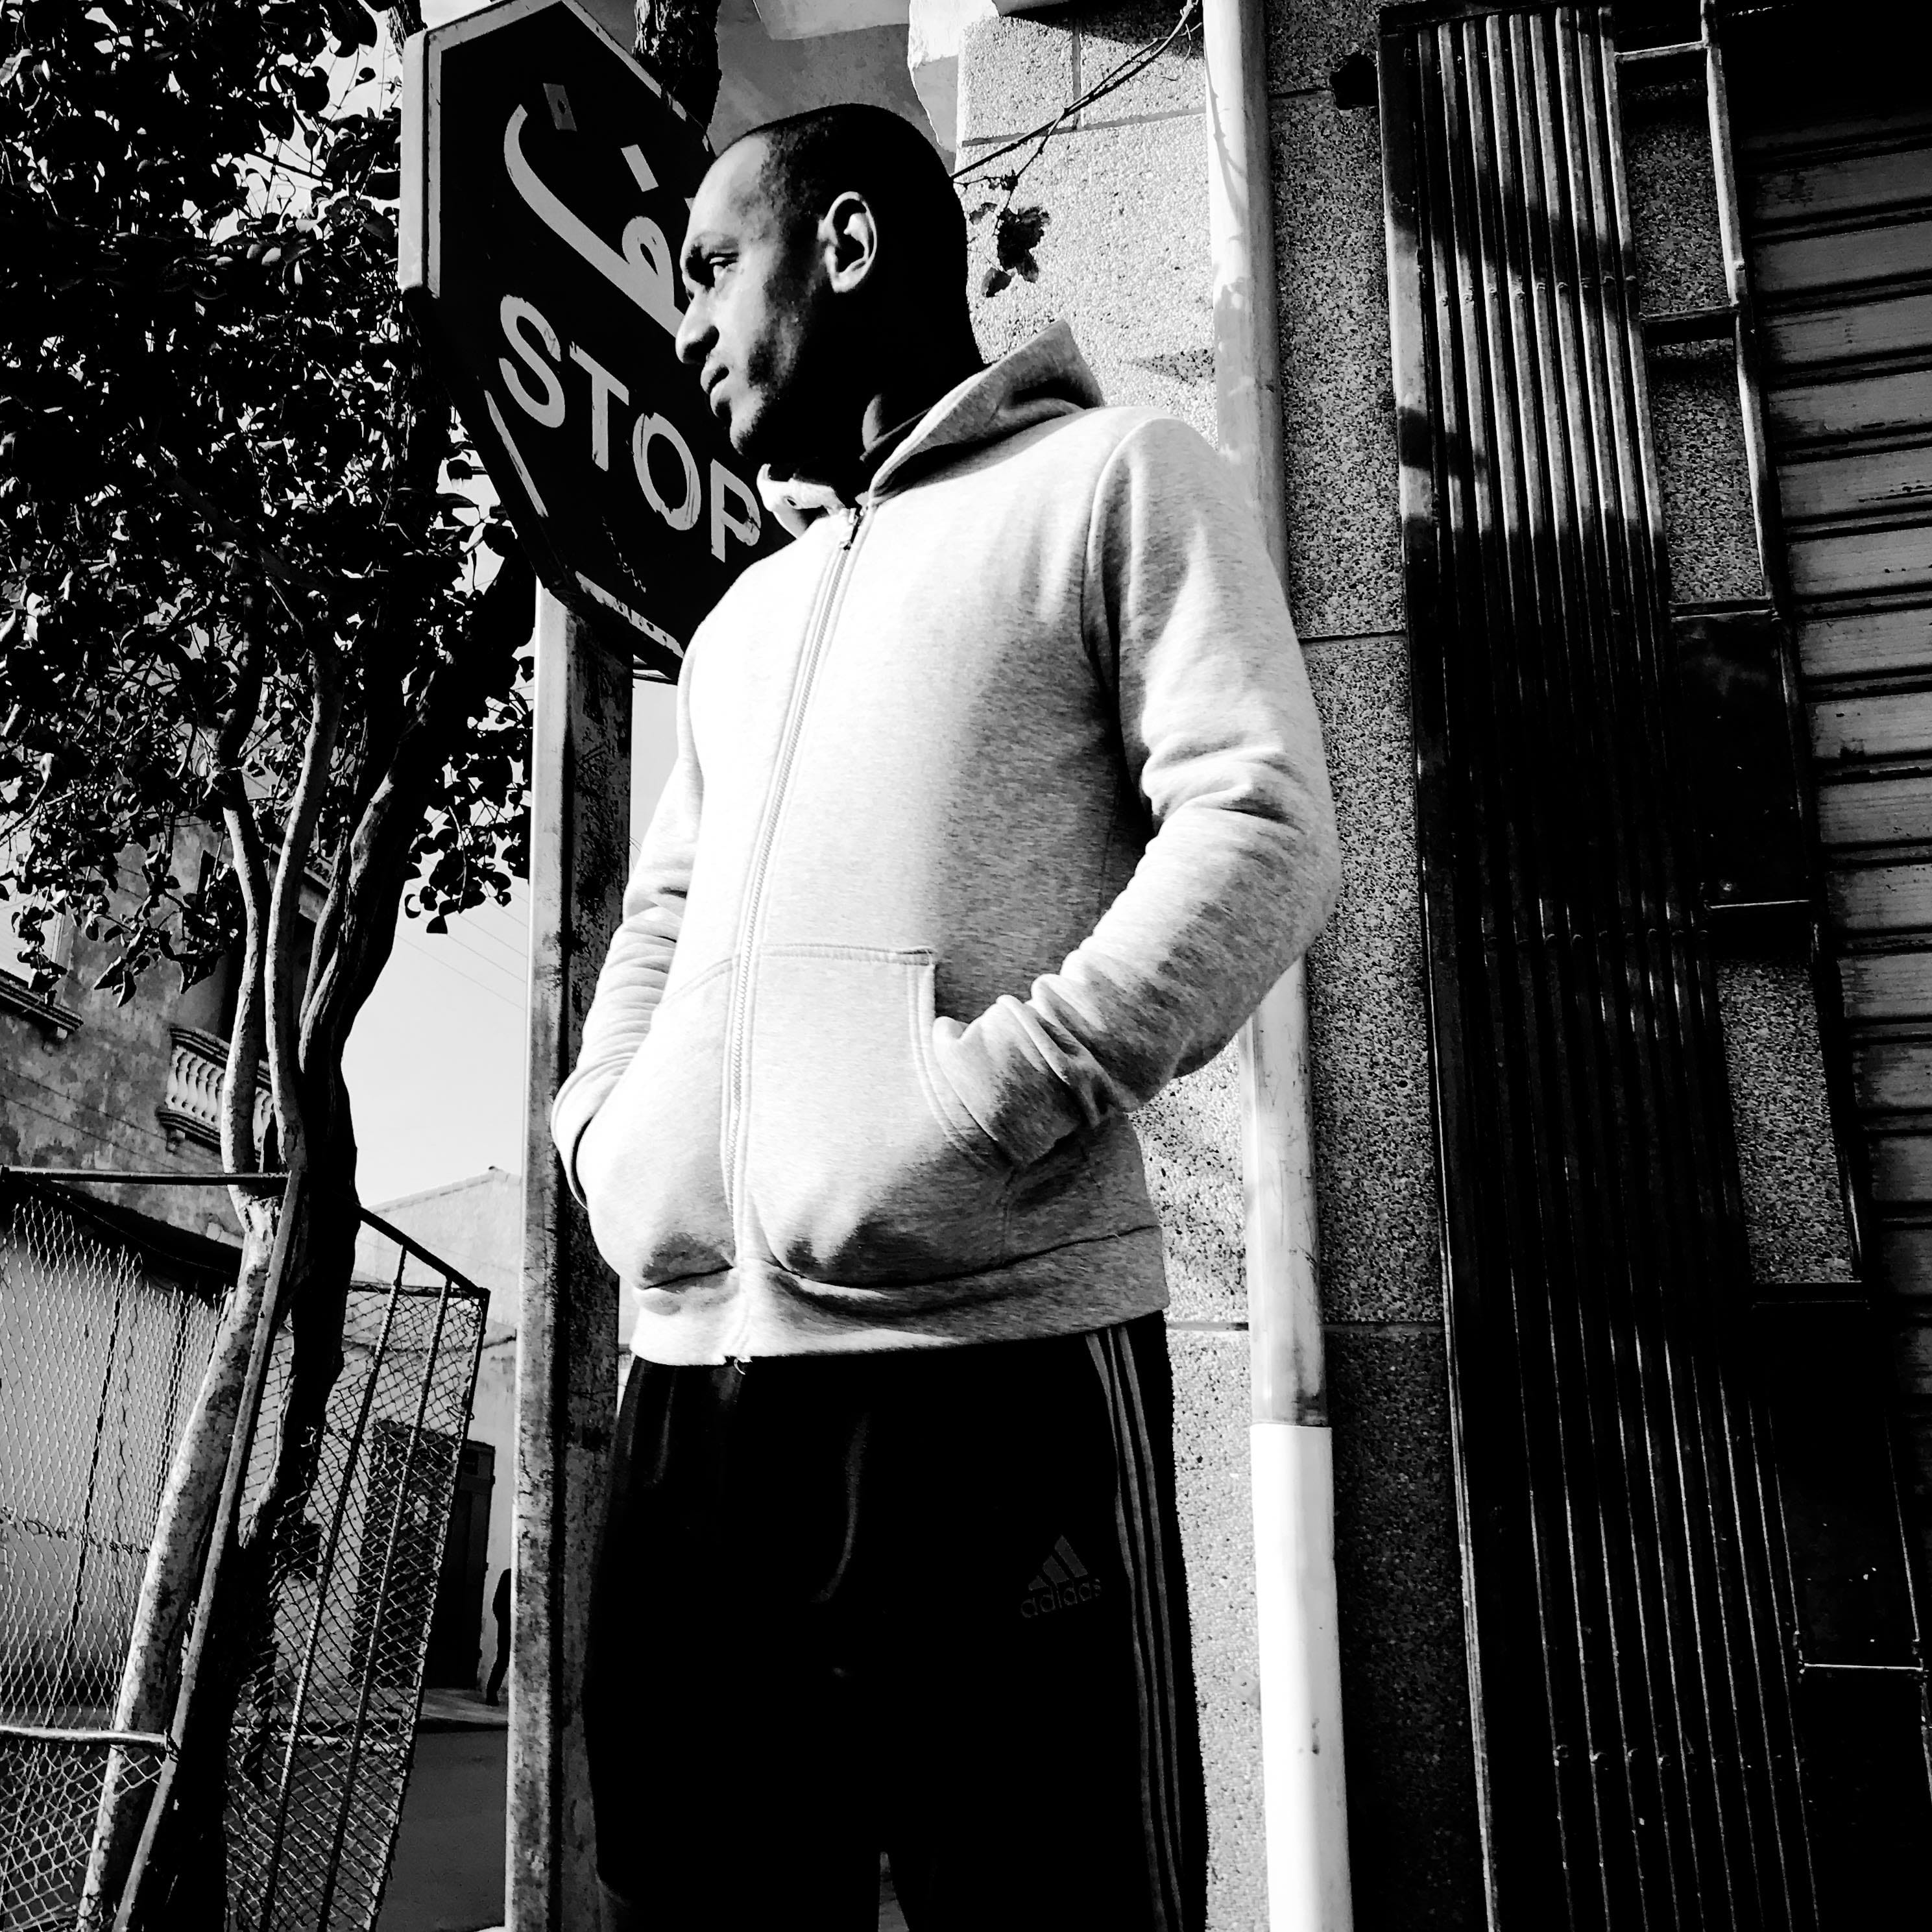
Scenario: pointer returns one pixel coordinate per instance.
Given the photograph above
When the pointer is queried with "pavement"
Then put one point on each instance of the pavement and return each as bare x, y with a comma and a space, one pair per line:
461, 1711
448, 1873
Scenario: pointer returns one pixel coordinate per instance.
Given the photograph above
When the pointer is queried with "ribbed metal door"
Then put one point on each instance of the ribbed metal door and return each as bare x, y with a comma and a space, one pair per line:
1634, 1712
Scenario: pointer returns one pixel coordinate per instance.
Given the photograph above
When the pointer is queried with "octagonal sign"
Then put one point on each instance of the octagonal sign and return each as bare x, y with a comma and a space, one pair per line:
548, 177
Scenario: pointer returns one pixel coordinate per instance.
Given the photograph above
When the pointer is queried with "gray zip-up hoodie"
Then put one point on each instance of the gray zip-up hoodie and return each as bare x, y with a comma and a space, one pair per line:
999, 801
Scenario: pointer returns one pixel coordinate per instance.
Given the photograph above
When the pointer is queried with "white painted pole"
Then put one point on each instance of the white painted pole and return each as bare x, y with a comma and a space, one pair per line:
1305, 1800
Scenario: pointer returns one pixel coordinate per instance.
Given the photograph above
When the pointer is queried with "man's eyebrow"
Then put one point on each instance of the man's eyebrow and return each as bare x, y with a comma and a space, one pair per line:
695, 244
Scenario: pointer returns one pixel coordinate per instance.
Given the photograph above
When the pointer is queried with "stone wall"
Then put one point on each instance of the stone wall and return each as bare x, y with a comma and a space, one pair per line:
1412, 1794
1793, 1210
1109, 229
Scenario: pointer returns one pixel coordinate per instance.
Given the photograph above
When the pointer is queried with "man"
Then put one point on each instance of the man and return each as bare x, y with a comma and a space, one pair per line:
999, 800
499, 1609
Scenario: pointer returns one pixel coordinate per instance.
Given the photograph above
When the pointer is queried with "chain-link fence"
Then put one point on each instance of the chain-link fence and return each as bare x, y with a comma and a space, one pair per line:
101, 1355
100, 1360
320, 1749
49, 1799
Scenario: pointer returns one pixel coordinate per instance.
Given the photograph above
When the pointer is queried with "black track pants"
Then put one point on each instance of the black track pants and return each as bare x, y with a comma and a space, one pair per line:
929, 1602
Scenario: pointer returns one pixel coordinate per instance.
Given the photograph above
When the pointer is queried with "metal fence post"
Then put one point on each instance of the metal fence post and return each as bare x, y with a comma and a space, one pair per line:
247, 1410
566, 1331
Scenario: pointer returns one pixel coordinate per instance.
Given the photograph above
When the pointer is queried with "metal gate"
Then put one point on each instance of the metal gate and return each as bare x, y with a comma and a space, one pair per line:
99, 1365
99, 1361
319, 1754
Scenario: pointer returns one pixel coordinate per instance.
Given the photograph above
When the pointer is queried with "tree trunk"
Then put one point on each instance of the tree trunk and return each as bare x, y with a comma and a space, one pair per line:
172, 1580
186, 1887
679, 39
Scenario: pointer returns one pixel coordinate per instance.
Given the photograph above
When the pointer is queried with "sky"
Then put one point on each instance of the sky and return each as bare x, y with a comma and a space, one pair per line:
435, 1065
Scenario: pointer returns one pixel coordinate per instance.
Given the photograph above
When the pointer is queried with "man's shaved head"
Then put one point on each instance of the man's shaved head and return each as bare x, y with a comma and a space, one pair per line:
811, 159
825, 269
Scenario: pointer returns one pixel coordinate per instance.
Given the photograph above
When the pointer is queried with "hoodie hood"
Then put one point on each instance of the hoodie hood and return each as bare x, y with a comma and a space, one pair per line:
1042, 379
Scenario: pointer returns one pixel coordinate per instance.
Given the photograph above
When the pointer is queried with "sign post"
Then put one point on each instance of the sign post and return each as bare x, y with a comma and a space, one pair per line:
567, 1323
546, 180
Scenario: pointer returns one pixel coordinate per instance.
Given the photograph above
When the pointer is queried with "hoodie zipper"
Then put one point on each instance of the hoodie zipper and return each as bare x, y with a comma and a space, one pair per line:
737, 1045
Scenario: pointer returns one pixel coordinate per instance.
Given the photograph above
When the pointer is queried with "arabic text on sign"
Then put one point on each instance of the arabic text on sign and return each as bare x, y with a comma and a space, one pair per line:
735, 512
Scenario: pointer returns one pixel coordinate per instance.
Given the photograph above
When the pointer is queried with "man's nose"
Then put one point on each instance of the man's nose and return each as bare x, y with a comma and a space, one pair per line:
694, 332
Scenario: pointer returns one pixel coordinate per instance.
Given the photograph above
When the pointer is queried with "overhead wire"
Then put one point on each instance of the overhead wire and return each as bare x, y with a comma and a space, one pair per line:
494, 965
1135, 64
450, 966
472, 930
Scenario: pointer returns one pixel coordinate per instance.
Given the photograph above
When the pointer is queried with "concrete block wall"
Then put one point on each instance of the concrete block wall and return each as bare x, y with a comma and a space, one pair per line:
1411, 1790
1794, 1211
1108, 228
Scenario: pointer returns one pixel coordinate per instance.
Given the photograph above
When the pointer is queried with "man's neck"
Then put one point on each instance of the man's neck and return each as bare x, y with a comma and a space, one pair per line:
899, 400
907, 391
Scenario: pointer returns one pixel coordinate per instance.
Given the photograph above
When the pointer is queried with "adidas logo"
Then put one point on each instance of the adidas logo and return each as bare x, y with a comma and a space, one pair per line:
1062, 1582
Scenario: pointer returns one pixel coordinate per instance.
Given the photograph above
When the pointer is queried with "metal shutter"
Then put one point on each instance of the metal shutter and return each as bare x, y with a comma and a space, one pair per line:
1637, 1734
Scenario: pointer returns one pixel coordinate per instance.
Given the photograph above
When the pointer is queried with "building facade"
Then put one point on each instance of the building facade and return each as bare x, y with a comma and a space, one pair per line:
474, 1225
1605, 383
88, 1081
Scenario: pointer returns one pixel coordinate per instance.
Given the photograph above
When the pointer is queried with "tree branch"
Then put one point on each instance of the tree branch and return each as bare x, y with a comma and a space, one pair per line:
360, 916
247, 1036
285, 906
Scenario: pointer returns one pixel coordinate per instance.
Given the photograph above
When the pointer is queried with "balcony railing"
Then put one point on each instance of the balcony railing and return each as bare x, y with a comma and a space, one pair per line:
192, 1110
16, 996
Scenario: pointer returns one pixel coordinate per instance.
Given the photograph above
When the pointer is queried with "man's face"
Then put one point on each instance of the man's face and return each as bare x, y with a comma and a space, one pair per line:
757, 296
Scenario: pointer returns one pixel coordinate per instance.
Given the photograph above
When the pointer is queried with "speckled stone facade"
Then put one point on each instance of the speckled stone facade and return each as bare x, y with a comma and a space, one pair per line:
1415, 1859
1110, 232
1115, 222
1794, 1211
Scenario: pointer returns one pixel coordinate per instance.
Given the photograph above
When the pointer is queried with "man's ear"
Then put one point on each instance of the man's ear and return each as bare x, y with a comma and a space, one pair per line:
850, 236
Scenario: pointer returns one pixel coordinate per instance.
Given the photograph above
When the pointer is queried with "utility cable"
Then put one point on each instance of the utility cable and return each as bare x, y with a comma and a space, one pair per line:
1135, 64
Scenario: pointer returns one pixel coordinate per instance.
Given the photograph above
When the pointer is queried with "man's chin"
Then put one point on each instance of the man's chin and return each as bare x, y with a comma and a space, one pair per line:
751, 438
762, 435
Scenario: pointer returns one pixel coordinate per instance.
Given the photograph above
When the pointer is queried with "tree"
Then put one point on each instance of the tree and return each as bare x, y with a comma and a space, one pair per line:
678, 38
240, 590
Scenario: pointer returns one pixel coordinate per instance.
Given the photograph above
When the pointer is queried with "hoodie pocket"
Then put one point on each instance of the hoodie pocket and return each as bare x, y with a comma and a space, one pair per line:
650, 1163
864, 1168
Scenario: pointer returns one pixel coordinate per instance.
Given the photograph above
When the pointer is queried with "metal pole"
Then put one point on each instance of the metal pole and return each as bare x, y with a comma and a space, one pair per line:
1304, 1797
93, 1476
71, 1175
248, 1410
567, 1321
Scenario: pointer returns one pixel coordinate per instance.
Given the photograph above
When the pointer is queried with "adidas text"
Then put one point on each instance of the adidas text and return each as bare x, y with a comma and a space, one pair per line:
1060, 1597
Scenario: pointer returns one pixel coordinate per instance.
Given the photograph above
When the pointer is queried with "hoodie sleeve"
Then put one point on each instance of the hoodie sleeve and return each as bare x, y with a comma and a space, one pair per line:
632, 980
1185, 618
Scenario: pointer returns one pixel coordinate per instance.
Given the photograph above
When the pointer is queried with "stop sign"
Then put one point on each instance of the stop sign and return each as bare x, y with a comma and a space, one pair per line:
548, 177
